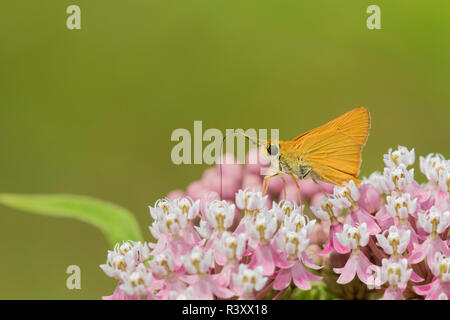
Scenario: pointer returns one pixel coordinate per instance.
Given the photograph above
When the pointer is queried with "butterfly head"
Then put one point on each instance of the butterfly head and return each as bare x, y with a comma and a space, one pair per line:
272, 151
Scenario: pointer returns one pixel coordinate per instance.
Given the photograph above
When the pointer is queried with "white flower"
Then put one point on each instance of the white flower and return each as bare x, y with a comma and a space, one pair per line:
220, 214
400, 156
125, 257
432, 165
140, 251
163, 264
395, 273
345, 197
444, 179
399, 177
434, 221
204, 229
250, 200
137, 282
292, 242
354, 237
396, 242
174, 223
327, 211
230, 246
161, 208
117, 263
401, 206
188, 207
263, 227
378, 180
296, 221
156, 229
123, 248
247, 280
441, 267
198, 261
283, 208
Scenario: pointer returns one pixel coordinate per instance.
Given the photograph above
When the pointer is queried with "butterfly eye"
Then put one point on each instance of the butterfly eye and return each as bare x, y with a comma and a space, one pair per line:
272, 150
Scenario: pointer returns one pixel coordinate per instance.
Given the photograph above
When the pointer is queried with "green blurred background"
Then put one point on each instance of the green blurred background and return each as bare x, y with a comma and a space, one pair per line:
91, 111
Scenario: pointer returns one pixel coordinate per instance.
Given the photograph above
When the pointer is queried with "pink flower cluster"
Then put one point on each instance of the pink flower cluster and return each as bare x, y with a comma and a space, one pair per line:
390, 232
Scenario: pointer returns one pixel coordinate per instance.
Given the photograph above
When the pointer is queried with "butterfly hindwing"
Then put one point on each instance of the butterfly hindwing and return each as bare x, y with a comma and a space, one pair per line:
333, 156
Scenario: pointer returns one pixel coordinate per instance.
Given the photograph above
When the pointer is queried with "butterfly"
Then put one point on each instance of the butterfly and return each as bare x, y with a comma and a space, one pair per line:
330, 153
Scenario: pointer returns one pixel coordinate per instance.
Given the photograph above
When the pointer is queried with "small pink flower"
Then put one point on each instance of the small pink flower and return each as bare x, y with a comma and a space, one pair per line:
329, 212
293, 255
276, 186
432, 165
228, 253
433, 222
396, 242
346, 196
255, 161
292, 193
250, 201
261, 231
440, 283
172, 195
137, 284
247, 281
283, 209
396, 274
400, 156
308, 188
358, 263
211, 181
206, 199
370, 199
361, 216
398, 178
198, 263
378, 181
196, 189
251, 181
168, 273
231, 167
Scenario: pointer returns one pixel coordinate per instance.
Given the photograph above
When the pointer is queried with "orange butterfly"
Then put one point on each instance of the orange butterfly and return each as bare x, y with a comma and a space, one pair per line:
331, 152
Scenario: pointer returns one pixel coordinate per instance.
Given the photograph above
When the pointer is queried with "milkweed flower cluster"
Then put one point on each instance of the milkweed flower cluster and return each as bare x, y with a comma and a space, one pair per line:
388, 237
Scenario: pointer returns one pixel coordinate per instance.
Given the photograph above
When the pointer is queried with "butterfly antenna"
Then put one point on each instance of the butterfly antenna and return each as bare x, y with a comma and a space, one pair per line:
221, 154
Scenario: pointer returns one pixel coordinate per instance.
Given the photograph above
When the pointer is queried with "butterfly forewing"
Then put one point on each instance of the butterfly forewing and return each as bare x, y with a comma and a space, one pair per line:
333, 151
355, 123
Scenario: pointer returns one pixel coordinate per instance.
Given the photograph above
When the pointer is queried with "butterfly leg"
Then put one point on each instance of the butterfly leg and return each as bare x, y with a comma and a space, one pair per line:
266, 181
298, 188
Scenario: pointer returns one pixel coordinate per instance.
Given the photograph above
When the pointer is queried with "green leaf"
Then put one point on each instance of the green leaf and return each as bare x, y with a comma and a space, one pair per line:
115, 222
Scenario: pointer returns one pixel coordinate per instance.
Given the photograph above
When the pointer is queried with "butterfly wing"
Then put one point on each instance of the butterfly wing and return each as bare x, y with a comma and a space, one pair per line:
332, 155
355, 123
